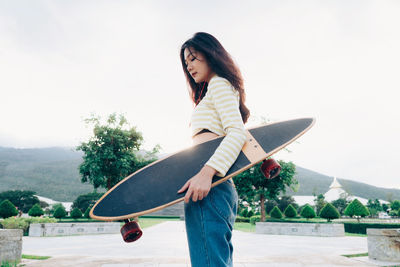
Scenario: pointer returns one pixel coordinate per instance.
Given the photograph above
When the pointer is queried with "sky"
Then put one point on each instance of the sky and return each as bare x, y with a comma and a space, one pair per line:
336, 61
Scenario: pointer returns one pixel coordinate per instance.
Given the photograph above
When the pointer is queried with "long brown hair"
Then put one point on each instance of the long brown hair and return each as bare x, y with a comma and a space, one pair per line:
220, 62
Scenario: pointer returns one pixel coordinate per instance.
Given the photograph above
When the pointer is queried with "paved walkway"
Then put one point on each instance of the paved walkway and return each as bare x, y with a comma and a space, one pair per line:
165, 245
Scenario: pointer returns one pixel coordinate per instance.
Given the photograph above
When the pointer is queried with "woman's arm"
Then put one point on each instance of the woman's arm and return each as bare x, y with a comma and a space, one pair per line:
226, 103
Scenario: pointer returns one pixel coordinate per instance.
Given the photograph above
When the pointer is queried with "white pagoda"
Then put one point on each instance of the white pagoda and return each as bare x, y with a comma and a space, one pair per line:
335, 191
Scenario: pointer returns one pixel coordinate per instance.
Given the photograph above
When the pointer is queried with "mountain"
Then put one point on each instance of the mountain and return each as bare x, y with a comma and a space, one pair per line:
53, 173
50, 172
315, 183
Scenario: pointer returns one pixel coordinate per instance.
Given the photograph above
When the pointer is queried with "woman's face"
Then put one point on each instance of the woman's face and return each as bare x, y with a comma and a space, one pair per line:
197, 66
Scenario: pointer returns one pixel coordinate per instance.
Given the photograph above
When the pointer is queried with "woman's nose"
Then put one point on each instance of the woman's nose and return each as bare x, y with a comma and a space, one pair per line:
189, 67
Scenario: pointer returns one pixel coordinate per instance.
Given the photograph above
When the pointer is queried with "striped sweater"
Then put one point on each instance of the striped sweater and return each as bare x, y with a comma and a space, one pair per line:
218, 112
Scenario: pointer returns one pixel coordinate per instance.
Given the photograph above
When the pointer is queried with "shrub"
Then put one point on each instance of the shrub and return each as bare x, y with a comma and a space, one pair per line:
7, 209
276, 213
393, 213
24, 200
308, 212
290, 211
54, 207
60, 212
356, 208
329, 212
36, 211
76, 213
84, 201
87, 215
40, 220
255, 218
395, 205
15, 223
250, 213
361, 228
398, 213
23, 223
243, 212
242, 219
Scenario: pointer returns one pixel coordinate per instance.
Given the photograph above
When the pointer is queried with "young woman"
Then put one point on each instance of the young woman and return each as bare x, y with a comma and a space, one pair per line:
216, 87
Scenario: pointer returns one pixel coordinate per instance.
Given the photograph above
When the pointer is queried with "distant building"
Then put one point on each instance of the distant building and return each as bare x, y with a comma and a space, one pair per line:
51, 202
335, 192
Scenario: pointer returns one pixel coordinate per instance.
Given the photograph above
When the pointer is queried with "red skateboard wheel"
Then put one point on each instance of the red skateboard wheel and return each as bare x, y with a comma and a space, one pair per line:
270, 168
131, 231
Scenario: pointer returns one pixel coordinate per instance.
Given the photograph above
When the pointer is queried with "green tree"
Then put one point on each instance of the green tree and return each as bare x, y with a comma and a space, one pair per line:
319, 202
269, 205
82, 202
395, 205
76, 213
111, 153
7, 209
252, 186
290, 211
285, 201
36, 211
308, 212
374, 206
56, 206
22, 199
87, 213
276, 213
329, 212
60, 212
356, 208
43, 204
393, 213
340, 204
385, 207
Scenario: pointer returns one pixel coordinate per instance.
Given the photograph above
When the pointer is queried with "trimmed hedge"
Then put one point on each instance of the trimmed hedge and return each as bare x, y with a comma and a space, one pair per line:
299, 220
361, 228
242, 219
255, 218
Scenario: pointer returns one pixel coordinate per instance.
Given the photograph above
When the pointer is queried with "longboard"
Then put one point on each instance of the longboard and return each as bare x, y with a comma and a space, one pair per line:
155, 186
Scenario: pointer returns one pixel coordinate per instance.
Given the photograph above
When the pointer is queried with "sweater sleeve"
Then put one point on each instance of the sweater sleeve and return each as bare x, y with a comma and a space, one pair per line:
226, 103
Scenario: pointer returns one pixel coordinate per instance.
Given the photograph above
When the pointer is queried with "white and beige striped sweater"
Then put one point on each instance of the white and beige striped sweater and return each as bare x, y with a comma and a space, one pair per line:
218, 112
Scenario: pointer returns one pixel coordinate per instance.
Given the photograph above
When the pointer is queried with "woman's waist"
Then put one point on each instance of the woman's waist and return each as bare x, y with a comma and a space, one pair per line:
203, 136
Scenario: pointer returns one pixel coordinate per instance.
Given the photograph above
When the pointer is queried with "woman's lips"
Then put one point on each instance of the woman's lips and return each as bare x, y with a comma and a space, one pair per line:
194, 74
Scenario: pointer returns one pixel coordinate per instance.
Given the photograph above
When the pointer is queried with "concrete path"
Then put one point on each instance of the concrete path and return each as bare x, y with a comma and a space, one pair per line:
165, 245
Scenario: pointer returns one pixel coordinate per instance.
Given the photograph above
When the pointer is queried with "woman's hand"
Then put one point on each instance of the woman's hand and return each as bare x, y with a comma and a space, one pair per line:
199, 185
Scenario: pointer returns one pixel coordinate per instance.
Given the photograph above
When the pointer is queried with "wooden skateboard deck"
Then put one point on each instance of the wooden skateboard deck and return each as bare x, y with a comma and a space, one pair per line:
155, 186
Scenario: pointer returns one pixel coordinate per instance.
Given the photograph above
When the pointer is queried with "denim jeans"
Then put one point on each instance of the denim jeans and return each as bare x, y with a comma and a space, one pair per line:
209, 223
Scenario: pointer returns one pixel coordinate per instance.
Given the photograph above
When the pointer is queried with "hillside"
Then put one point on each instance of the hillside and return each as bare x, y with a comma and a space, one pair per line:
315, 183
53, 173
50, 172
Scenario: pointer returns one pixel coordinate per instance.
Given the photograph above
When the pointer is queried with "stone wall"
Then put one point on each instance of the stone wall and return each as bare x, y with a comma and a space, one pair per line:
174, 210
60, 229
10, 244
384, 244
306, 229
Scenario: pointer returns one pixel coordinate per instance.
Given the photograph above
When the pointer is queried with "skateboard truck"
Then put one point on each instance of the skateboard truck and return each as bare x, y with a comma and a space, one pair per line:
270, 168
131, 231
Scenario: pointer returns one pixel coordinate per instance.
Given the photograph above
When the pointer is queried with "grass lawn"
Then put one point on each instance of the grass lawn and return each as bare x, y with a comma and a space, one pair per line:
33, 257
356, 255
245, 227
351, 234
147, 222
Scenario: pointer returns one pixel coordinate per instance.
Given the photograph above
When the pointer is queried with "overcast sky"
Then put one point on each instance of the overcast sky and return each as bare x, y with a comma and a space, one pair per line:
337, 61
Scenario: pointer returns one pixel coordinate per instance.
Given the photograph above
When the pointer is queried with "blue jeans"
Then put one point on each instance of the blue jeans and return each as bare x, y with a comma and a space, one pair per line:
209, 223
